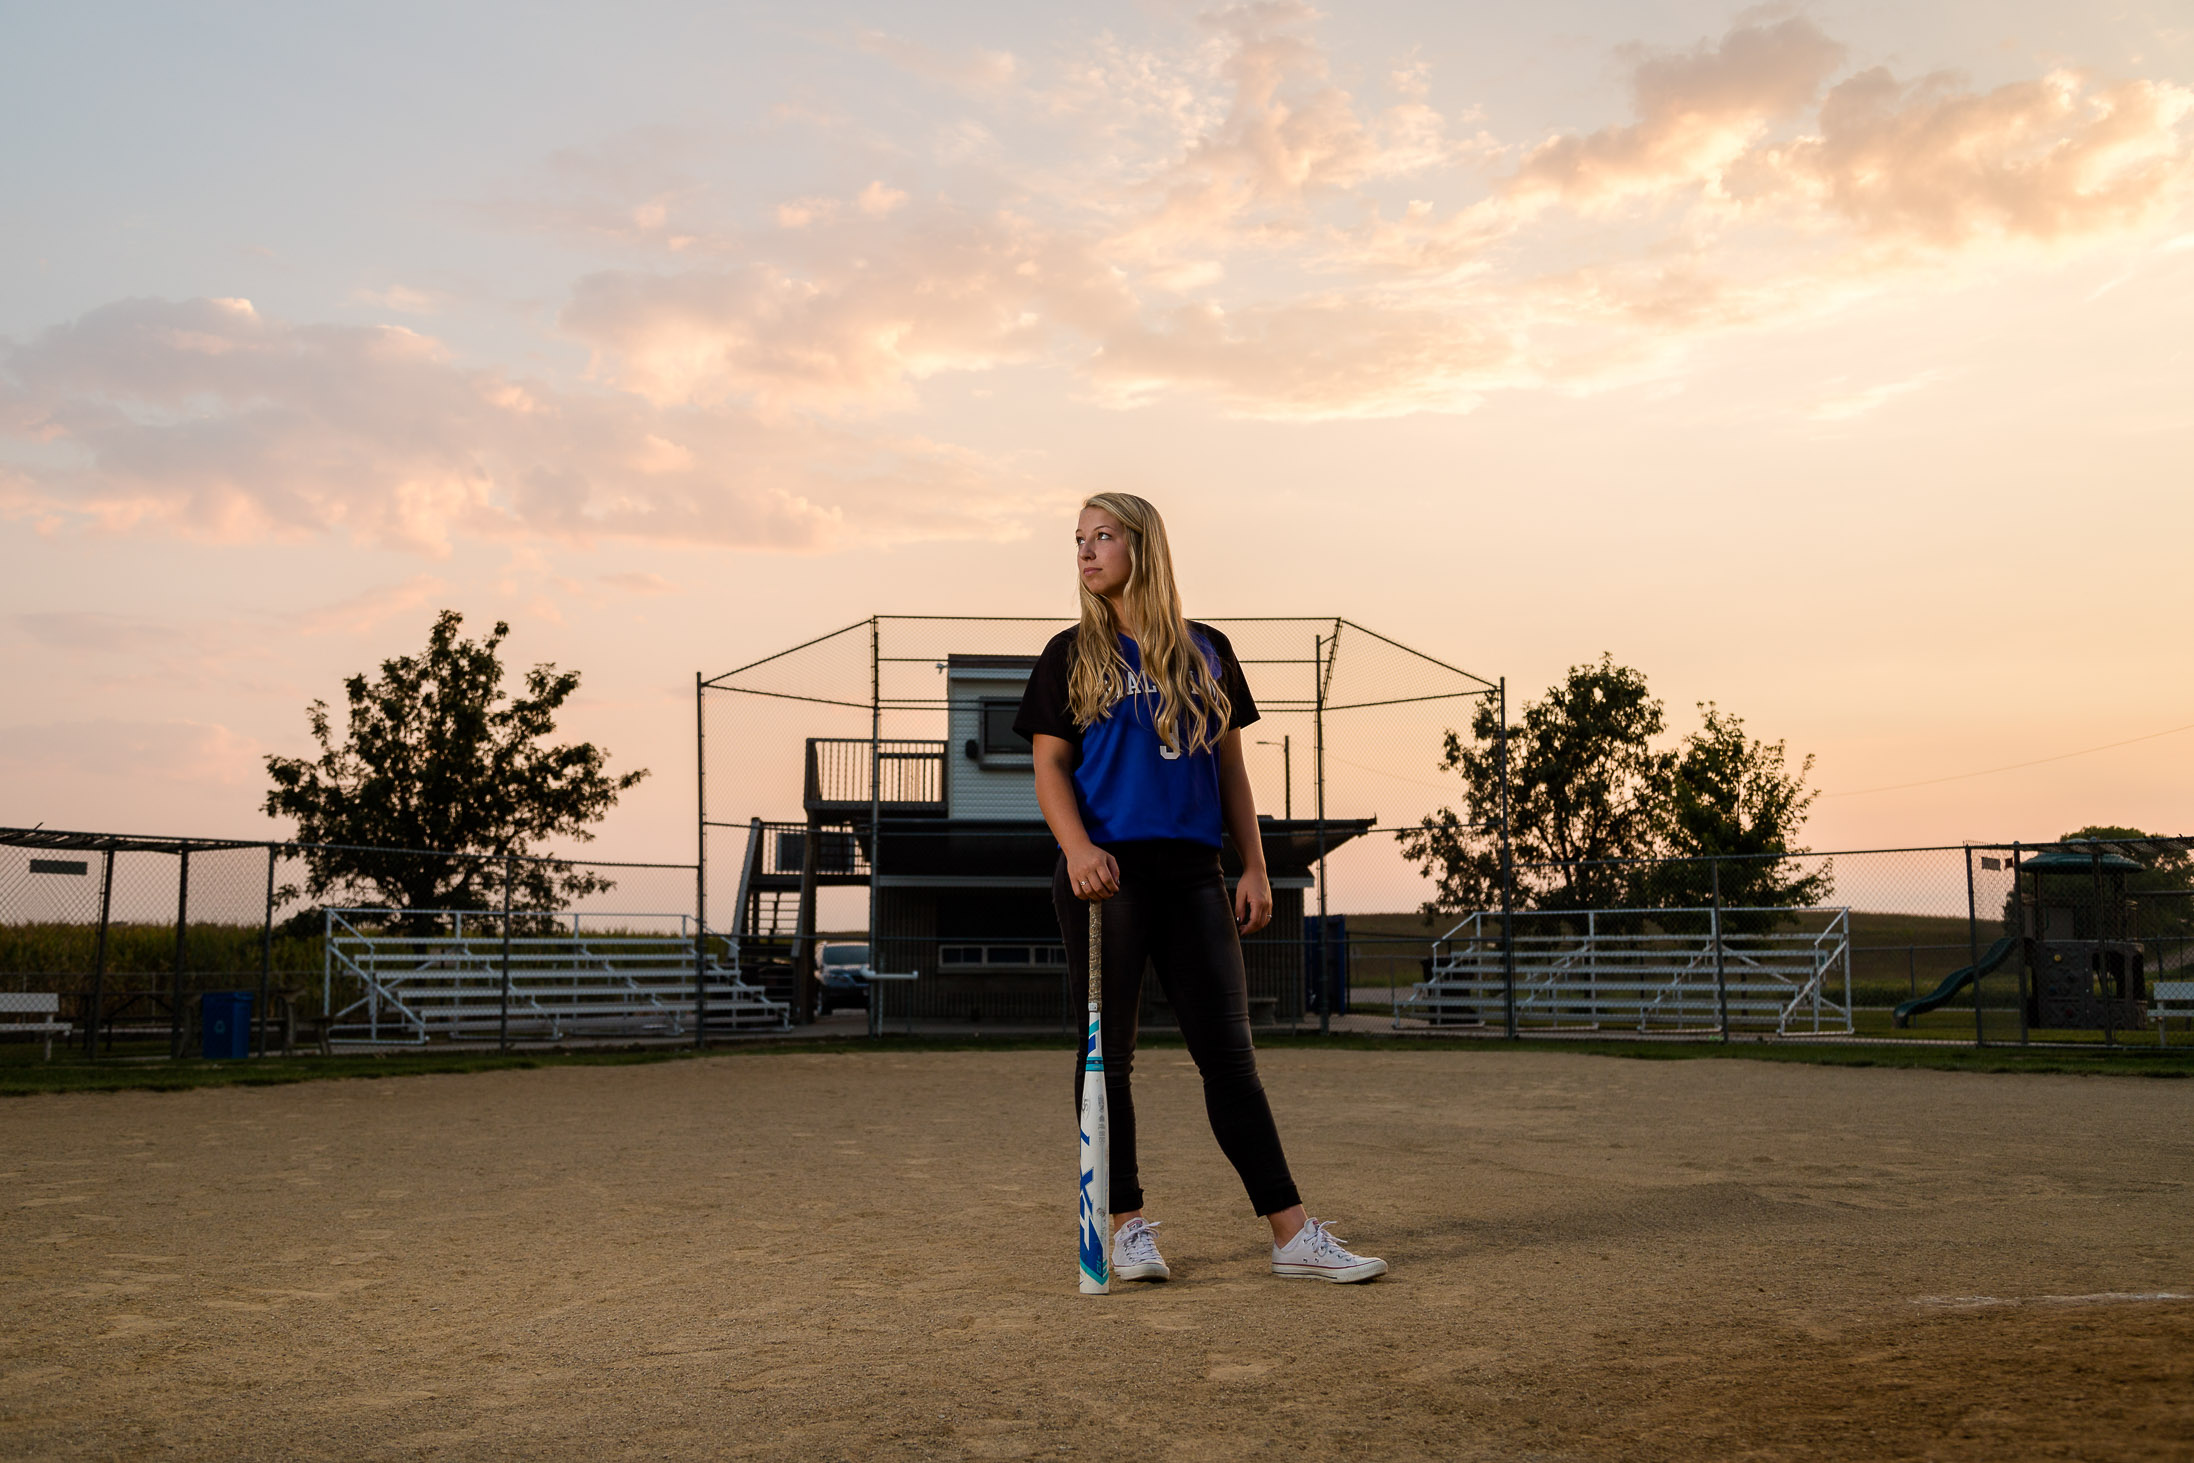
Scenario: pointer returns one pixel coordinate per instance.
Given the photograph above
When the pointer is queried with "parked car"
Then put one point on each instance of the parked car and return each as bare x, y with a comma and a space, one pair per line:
843, 970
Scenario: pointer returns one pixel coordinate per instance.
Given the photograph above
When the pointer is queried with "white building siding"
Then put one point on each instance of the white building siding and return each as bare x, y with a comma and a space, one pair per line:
993, 787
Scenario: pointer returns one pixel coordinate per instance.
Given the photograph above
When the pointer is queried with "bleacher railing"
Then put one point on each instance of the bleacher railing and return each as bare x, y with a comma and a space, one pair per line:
908, 773
404, 977
1664, 970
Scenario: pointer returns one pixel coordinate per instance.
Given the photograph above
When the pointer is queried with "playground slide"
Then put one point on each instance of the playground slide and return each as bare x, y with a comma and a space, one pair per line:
1957, 981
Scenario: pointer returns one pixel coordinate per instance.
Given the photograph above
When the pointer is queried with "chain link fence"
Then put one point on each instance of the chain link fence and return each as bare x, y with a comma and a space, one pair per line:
2087, 943
134, 940
865, 788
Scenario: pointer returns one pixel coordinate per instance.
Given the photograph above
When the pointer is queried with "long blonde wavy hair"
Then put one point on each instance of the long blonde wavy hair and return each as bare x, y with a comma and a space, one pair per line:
1193, 709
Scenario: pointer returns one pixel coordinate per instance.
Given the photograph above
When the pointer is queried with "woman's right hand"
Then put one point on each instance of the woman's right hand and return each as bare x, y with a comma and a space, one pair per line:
1092, 874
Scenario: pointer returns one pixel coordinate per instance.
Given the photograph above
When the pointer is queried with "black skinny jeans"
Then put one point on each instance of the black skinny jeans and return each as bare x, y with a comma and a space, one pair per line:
1173, 910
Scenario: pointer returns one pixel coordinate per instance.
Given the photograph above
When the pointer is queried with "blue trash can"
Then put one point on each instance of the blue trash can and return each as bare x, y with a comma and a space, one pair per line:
1325, 949
224, 1024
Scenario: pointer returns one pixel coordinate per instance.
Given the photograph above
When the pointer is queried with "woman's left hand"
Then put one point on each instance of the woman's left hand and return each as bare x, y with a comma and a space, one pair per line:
1252, 902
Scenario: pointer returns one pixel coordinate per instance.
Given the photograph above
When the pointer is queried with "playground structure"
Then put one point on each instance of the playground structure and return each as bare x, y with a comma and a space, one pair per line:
1663, 971
2084, 964
2078, 944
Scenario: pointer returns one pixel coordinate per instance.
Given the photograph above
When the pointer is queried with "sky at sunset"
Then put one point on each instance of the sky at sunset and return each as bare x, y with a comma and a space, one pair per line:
1829, 362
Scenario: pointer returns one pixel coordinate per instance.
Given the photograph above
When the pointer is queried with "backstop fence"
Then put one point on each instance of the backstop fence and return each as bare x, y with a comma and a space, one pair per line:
868, 785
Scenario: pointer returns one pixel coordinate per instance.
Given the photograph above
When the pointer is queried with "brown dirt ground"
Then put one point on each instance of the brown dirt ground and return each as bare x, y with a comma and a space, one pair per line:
823, 1256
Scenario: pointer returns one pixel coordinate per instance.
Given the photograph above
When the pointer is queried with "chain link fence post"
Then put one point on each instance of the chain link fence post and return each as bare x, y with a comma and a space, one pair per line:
1721, 970
99, 956
266, 955
2017, 930
182, 936
1973, 948
1508, 885
876, 823
2099, 932
700, 865
1324, 984
502, 1019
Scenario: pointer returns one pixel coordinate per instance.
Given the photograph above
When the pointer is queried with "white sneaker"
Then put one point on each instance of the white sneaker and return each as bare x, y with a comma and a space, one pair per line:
1135, 1253
1315, 1254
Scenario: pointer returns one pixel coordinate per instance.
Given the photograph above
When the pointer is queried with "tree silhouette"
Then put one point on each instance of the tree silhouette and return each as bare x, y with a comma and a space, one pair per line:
1597, 813
1586, 786
436, 755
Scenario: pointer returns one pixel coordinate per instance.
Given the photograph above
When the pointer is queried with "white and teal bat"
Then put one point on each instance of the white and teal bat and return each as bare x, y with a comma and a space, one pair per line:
1096, 1204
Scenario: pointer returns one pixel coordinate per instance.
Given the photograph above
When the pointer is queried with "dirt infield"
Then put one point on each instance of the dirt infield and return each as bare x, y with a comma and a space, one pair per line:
814, 1256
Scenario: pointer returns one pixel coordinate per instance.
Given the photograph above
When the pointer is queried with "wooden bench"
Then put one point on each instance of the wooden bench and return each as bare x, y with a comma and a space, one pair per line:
34, 1004
2169, 998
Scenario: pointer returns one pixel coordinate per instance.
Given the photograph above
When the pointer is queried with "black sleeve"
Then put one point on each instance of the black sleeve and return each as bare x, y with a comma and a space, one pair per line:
1044, 708
1232, 681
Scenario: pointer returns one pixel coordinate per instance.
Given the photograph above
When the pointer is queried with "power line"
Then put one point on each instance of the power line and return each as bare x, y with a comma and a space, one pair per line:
2011, 766
1382, 772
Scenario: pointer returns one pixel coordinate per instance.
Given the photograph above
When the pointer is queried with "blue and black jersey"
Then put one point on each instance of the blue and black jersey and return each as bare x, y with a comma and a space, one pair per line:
1131, 786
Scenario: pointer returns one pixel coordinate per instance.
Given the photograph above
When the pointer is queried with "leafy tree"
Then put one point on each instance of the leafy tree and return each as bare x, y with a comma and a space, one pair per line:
1732, 794
1589, 791
1585, 786
436, 755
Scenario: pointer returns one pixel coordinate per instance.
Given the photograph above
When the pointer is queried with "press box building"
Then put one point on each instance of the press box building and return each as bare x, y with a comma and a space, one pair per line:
961, 865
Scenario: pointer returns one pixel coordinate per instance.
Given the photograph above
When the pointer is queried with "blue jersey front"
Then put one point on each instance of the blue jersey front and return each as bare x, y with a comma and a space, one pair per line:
1130, 785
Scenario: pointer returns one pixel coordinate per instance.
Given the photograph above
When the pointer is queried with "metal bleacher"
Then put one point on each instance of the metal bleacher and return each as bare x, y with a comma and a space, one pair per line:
1646, 969
405, 977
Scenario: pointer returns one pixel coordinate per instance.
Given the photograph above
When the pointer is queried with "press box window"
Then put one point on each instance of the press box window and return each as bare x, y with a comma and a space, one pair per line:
998, 739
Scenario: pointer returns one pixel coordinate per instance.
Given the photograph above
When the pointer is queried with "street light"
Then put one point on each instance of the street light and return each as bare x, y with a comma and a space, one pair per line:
1287, 779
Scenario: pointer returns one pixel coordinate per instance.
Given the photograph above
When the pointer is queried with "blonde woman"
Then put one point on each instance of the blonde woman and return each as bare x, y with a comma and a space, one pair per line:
1136, 717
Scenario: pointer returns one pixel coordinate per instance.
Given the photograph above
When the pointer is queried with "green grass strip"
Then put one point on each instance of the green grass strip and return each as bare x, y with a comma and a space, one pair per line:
22, 1073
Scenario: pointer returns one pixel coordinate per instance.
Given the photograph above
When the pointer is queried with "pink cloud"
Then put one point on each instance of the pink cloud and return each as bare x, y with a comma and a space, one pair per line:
367, 611
851, 319
2049, 159
1231, 225
635, 582
976, 70
1226, 234
179, 752
1697, 113
1287, 139
208, 419
1339, 356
